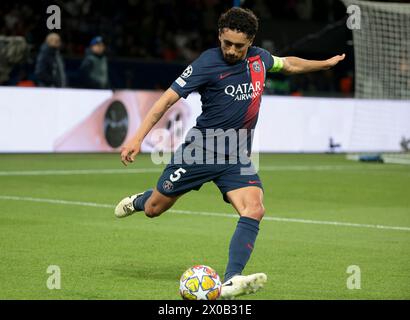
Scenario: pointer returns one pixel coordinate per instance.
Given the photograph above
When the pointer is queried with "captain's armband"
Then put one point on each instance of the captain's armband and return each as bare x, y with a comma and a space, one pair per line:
277, 64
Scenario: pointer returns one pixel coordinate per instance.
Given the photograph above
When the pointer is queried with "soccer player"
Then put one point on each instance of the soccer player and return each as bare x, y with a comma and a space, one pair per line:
230, 80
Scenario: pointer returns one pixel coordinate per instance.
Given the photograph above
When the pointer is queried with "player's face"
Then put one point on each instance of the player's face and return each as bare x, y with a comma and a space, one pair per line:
234, 45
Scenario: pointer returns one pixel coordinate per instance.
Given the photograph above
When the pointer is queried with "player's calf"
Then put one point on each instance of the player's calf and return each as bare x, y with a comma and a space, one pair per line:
151, 202
153, 211
158, 204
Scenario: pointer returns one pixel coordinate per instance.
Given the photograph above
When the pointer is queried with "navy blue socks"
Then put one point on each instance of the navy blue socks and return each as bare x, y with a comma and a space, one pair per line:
241, 246
139, 202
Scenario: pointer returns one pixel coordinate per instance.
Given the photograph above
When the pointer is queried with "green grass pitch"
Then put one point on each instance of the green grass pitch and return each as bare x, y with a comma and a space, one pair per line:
62, 215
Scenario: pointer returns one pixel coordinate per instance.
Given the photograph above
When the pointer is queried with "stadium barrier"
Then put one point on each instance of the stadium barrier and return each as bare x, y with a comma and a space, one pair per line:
75, 120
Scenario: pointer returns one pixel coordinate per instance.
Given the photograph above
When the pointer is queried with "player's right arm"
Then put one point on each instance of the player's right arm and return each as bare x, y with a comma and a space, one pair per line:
190, 80
296, 65
133, 147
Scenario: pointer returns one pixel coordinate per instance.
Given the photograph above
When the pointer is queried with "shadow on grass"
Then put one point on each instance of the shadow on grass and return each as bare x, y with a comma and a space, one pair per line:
149, 272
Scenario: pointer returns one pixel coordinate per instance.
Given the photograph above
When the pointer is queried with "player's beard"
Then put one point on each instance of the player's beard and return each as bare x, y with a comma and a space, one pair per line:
231, 59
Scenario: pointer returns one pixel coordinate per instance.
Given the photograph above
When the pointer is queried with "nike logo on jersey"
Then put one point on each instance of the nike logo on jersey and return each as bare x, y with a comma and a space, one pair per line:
253, 181
224, 75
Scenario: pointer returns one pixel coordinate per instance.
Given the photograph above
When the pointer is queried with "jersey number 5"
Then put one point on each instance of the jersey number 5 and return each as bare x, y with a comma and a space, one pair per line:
177, 174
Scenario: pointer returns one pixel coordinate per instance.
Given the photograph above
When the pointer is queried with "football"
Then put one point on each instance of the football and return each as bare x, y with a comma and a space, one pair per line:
200, 283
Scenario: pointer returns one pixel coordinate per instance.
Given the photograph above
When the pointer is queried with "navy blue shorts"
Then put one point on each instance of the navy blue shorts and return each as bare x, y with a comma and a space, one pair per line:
178, 179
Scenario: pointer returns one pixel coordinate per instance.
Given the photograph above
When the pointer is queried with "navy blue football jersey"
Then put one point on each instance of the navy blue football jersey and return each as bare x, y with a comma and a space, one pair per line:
230, 93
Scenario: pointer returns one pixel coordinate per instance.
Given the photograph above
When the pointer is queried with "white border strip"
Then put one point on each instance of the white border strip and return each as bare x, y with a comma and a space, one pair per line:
203, 213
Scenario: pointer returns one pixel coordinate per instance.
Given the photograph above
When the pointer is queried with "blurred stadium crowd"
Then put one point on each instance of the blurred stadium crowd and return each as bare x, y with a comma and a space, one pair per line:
146, 44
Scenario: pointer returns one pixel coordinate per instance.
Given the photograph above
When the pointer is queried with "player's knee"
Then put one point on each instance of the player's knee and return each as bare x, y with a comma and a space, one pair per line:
259, 212
254, 210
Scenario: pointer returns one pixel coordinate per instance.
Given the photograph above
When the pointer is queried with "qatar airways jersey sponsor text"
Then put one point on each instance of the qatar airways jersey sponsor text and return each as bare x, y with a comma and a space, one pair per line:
244, 91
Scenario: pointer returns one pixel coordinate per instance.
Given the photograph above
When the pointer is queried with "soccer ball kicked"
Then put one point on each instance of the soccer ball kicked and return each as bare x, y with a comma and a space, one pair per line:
200, 283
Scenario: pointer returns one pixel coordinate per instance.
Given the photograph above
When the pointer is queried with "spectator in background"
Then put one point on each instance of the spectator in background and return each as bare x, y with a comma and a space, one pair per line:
94, 68
13, 51
49, 70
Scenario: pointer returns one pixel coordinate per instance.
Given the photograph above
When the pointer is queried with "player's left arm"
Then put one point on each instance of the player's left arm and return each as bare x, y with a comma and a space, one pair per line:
295, 65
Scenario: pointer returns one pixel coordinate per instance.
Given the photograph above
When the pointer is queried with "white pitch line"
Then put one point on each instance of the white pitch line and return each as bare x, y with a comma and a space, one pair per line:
58, 201
153, 170
76, 172
204, 213
316, 168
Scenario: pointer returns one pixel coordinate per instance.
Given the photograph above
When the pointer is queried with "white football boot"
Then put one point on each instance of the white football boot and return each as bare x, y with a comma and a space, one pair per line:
125, 207
240, 285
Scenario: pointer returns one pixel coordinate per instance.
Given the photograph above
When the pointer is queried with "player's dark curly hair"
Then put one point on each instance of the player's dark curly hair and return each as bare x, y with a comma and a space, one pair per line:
239, 19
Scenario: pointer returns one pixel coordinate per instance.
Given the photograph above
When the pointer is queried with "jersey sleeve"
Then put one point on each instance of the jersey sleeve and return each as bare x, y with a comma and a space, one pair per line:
272, 63
193, 77
266, 58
